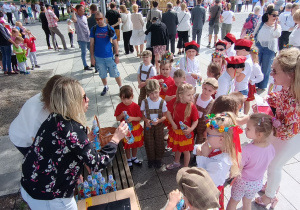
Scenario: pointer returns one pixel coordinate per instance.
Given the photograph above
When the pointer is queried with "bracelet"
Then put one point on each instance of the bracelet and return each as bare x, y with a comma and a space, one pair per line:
113, 141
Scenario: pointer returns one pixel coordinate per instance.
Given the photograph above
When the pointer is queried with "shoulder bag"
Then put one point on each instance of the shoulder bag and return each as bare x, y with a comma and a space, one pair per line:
212, 20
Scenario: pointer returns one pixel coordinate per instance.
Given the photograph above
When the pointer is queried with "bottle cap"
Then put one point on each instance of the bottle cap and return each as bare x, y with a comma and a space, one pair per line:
180, 122
99, 175
90, 178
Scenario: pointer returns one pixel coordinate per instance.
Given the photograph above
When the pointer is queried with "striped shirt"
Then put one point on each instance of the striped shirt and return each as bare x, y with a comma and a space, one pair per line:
82, 28
51, 18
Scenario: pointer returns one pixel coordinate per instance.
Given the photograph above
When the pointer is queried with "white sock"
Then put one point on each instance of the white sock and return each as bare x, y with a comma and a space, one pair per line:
134, 159
129, 162
106, 86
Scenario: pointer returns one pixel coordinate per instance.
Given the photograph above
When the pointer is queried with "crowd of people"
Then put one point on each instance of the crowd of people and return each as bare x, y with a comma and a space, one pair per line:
266, 57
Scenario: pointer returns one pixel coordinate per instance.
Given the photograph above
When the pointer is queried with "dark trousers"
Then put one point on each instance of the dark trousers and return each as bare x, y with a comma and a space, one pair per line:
9, 18
197, 35
63, 11
47, 33
127, 46
14, 62
57, 14
71, 38
171, 41
283, 39
153, 56
183, 38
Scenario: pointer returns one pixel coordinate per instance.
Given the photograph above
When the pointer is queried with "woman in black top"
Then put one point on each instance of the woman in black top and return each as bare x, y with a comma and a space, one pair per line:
45, 27
61, 147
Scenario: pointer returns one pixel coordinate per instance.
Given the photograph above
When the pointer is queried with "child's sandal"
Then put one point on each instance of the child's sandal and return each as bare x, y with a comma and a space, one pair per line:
173, 165
136, 161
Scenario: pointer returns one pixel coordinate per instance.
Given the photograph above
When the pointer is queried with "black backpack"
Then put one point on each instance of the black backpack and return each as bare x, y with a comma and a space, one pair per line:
111, 33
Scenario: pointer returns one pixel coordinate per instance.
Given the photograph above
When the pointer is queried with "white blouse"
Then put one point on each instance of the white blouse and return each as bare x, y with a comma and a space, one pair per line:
243, 85
218, 167
126, 21
190, 66
226, 85
183, 21
256, 75
230, 51
227, 17
268, 36
294, 38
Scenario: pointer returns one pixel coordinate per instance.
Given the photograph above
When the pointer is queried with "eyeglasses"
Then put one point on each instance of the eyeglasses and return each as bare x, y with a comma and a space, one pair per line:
274, 15
97, 19
218, 49
84, 97
213, 135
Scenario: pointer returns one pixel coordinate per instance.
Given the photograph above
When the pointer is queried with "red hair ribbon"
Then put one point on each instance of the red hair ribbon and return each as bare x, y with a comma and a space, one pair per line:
236, 140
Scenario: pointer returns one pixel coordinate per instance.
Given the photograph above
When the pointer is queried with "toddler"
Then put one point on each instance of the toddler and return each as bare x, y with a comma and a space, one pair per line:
146, 71
21, 55
71, 31
21, 28
190, 64
256, 158
182, 109
135, 116
14, 62
30, 44
154, 112
179, 78
204, 102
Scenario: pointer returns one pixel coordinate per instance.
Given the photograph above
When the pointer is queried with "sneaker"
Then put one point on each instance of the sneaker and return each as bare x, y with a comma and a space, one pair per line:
88, 68
173, 165
37, 66
208, 46
105, 89
27, 68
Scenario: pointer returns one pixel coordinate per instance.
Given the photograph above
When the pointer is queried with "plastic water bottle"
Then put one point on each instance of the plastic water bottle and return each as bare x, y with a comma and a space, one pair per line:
95, 188
154, 120
99, 176
164, 85
80, 189
199, 81
103, 185
90, 180
180, 204
86, 190
129, 137
112, 182
95, 130
184, 127
129, 123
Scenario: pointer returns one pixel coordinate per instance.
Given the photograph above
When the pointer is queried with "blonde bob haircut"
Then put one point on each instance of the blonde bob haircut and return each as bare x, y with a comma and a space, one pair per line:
135, 8
289, 61
66, 99
183, 6
296, 16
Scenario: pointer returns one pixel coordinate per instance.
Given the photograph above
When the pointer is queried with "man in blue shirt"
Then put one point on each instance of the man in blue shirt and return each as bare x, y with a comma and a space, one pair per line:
101, 41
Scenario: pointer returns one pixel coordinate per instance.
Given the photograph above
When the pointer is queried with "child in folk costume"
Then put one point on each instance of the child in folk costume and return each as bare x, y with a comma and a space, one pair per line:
190, 64
219, 155
221, 47
219, 58
170, 57
135, 116
256, 157
145, 71
182, 109
179, 78
204, 102
213, 70
154, 112
230, 38
164, 78
235, 65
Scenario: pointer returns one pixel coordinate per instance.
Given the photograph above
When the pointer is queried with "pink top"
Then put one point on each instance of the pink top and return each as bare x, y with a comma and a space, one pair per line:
51, 18
255, 161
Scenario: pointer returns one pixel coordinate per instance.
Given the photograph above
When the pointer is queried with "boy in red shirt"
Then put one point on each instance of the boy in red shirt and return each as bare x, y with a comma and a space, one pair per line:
29, 43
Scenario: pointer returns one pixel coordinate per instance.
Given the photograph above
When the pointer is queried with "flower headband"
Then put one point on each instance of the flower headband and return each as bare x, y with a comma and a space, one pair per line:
213, 125
217, 55
253, 50
287, 46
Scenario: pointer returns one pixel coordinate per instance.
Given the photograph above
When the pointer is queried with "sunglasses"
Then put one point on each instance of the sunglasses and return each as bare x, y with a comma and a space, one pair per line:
84, 97
97, 19
274, 15
218, 49
213, 135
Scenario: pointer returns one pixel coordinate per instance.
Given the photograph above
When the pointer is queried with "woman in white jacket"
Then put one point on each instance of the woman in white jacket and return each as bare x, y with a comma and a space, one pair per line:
126, 28
183, 27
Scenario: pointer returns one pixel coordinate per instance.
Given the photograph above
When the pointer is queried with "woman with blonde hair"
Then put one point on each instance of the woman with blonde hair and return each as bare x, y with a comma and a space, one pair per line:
183, 27
226, 18
61, 147
126, 28
286, 72
138, 36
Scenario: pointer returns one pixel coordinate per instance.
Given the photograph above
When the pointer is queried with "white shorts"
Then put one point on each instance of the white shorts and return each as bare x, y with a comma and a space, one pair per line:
248, 189
57, 203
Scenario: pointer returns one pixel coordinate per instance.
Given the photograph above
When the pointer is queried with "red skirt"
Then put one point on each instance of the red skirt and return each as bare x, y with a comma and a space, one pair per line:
138, 137
178, 141
252, 90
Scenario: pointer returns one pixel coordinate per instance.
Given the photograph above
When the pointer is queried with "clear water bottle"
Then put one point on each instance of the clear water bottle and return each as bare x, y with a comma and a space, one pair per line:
126, 119
103, 185
99, 176
154, 120
95, 130
184, 127
180, 205
95, 188
112, 182
90, 179
86, 190
199, 81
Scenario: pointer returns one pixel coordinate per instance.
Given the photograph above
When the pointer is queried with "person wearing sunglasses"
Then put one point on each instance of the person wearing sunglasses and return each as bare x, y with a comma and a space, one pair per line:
266, 36
221, 46
61, 148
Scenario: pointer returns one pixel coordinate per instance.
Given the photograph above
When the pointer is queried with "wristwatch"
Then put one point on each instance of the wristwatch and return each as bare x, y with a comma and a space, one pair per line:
117, 55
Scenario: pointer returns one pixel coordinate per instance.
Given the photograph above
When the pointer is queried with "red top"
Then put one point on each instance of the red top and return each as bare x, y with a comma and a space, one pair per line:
82, 3
30, 43
133, 110
179, 113
171, 90
167, 80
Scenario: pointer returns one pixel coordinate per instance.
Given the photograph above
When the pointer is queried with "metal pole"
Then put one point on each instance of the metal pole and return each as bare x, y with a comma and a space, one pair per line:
103, 7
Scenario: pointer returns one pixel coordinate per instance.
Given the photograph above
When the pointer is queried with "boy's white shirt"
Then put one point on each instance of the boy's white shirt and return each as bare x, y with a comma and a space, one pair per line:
154, 105
146, 68
226, 84
217, 166
192, 66
243, 85
202, 104
230, 51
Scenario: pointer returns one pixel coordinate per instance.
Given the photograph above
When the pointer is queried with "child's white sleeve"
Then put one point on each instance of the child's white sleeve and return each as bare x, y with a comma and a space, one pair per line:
143, 106
222, 89
256, 75
195, 148
164, 108
153, 72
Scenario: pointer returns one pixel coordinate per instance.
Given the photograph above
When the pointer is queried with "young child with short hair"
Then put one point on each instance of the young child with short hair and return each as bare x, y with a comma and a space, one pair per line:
230, 38
21, 28
182, 109
170, 57
179, 78
190, 64
235, 65
219, 58
145, 71
154, 110
221, 46
21, 55
220, 154
71, 31
204, 102
256, 157
225, 103
135, 116
213, 70
30, 44
164, 78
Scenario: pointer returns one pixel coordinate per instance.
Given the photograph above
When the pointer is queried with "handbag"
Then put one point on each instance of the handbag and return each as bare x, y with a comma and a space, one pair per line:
249, 23
149, 23
212, 20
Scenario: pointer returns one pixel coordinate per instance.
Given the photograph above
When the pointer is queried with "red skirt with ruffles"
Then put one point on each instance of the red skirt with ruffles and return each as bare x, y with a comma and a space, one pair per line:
138, 135
178, 141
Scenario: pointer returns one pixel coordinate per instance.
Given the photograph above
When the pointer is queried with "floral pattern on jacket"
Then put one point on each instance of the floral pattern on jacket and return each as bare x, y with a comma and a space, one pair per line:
53, 164
287, 112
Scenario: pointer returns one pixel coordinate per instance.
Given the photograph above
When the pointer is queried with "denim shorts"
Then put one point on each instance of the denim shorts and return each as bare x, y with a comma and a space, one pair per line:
244, 92
106, 65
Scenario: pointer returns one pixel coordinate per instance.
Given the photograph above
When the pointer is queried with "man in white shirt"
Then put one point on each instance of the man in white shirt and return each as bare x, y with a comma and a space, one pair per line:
7, 11
287, 23
242, 48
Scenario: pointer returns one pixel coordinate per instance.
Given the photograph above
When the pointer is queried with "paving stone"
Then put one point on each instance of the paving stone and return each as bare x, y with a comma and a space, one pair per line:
154, 203
10, 182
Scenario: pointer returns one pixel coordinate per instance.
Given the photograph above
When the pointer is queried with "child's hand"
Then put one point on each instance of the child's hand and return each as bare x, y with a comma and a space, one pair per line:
155, 123
254, 108
165, 89
130, 119
148, 123
198, 151
142, 84
174, 197
174, 126
205, 149
188, 130
161, 81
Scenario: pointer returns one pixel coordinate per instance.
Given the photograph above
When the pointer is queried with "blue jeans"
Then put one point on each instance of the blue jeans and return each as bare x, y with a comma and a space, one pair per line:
266, 57
106, 65
244, 92
83, 46
6, 57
